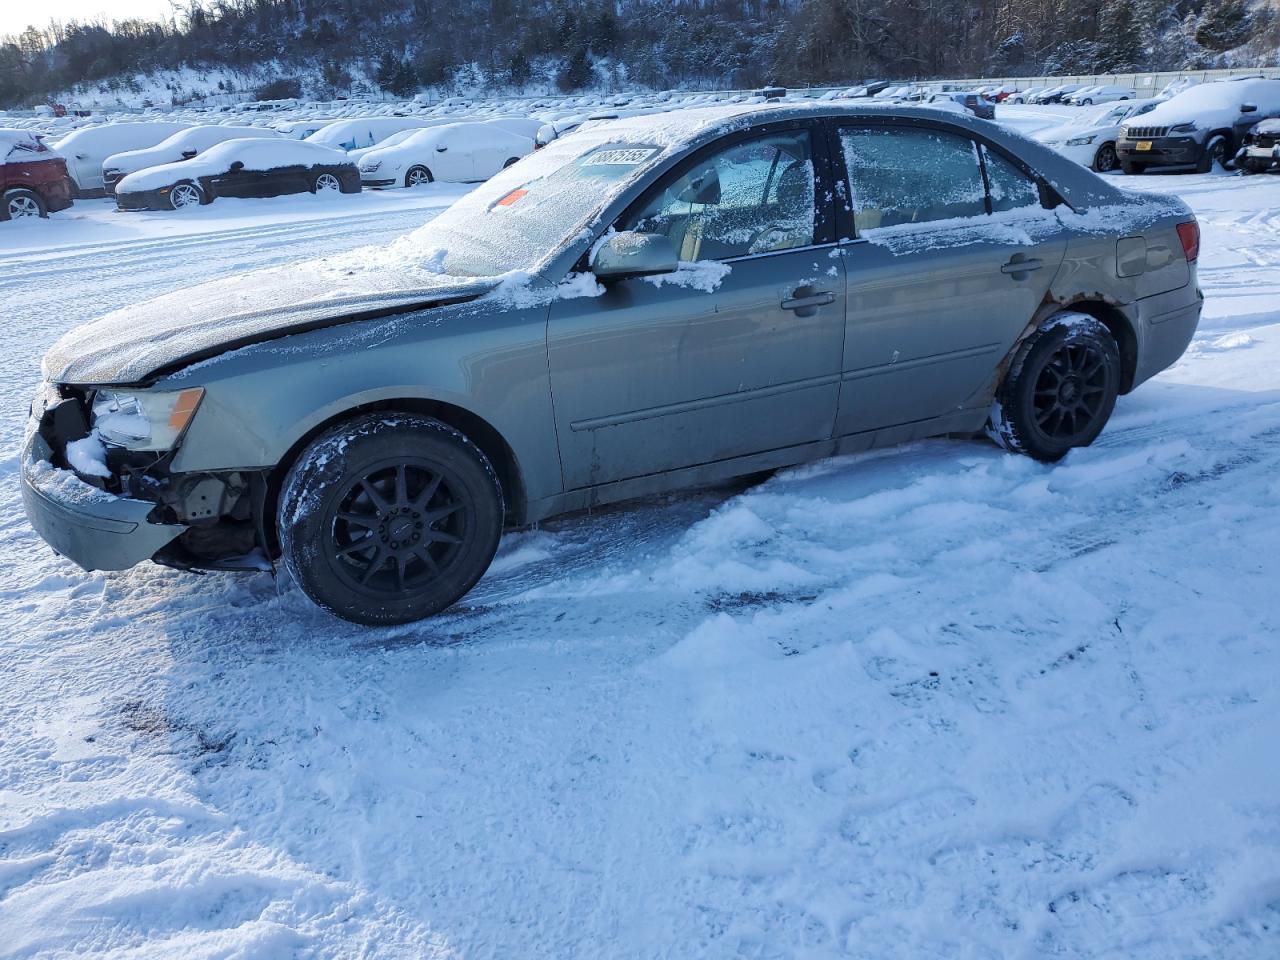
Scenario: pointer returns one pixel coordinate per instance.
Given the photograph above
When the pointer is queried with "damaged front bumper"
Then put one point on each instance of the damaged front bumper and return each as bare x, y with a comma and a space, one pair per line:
94, 529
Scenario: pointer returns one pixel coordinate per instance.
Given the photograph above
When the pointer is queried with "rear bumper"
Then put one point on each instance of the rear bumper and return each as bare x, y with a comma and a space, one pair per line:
93, 529
59, 194
1168, 321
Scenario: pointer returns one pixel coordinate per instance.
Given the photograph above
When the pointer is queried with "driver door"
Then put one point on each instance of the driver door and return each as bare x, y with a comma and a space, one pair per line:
737, 352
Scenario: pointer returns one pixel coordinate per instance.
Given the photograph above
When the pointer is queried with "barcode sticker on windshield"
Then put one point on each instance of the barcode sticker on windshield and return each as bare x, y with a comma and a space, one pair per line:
619, 158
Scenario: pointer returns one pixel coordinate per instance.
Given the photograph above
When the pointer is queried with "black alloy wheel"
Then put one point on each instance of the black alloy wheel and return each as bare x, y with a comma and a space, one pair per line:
389, 518
1060, 390
1071, 391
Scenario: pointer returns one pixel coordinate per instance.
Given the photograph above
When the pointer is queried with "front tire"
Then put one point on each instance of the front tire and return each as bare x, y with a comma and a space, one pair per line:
417, 177
1132, 169
1215, 151
1060, 389
22, 203
389, 518
1105, 160
185, 194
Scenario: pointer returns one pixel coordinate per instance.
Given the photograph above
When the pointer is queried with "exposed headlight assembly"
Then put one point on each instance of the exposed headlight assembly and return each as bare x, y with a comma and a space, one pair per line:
1081, 141
144, 420
370, 167
1183, 128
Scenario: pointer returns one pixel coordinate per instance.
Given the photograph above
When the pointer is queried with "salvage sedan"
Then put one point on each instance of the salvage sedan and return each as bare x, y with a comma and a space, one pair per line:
650, 304
251, 167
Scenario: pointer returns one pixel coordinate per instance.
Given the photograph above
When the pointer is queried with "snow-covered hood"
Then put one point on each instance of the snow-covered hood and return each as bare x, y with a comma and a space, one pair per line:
1058, 135
132, 344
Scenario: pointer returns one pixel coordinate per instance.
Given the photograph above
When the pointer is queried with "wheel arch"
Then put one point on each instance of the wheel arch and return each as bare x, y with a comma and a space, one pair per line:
1109, 315
474, 427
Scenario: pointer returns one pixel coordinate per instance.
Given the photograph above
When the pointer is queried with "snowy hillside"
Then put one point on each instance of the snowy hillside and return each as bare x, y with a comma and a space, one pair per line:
932, 702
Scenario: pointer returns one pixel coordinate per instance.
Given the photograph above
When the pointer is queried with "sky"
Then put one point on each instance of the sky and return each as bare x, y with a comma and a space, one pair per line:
16, 16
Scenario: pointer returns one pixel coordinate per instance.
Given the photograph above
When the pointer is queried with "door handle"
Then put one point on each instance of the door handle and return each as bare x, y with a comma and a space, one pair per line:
1016, 266
807, 301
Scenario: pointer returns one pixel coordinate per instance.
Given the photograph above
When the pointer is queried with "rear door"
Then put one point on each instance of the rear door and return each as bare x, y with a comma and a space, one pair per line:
736, 353
949, 251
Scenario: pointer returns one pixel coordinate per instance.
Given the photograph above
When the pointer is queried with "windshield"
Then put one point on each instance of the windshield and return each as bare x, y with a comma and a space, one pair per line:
526, 212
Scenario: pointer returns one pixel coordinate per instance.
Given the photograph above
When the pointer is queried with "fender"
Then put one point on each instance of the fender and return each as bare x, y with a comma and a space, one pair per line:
262, 400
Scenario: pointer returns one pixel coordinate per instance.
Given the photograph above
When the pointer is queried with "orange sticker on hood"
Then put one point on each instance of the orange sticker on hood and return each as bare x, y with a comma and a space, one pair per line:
511, 198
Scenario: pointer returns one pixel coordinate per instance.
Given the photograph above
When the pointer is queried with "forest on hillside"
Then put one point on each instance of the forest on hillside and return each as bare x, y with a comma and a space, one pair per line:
320, 47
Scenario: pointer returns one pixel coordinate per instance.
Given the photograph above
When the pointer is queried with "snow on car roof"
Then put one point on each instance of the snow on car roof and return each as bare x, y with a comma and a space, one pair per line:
1210, 104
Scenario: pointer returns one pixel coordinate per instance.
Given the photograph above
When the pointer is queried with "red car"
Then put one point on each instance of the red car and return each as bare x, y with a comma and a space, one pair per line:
33, 179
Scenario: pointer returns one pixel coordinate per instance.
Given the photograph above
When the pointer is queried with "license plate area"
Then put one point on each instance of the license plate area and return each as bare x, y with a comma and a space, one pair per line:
1143, 145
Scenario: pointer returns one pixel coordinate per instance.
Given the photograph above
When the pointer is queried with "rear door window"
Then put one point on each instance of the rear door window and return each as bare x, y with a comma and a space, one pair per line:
1010, 187
900, 175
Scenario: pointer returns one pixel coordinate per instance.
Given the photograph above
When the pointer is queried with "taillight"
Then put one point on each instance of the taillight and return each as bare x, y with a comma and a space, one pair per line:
1189, 234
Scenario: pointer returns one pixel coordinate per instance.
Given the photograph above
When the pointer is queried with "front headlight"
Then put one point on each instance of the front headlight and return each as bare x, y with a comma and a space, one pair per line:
370, 166
1081, 141
1183, 128
144, 420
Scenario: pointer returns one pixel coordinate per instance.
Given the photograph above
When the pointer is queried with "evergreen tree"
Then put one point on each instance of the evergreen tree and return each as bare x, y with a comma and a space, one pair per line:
388, 67
577, 72
1223, 25
1120, 37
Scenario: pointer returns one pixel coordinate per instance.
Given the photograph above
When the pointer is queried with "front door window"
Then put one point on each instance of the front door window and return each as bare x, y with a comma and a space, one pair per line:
754, 197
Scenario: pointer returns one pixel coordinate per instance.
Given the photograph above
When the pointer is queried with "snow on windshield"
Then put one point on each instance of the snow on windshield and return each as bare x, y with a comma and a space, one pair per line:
523, 214
19, 146
522, 217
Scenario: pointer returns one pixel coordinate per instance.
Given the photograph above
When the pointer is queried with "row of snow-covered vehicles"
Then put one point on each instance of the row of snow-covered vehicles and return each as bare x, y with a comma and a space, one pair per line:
159, 165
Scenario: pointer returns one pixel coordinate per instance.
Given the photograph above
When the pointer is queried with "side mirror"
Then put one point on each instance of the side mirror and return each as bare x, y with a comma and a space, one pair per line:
704, 190
1248, 108
441, 148
188, 154
82, 156
237, 166
632, 254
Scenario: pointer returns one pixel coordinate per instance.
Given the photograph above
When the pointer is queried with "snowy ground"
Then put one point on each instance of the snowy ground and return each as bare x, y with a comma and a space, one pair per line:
931, 702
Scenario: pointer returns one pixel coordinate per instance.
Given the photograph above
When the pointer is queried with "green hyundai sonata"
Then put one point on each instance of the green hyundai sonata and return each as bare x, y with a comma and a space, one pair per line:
645, 305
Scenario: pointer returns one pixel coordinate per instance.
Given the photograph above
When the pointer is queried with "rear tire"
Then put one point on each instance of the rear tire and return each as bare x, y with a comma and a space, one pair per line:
389, 518
1060, 389
510, 161
326, 183
22, 203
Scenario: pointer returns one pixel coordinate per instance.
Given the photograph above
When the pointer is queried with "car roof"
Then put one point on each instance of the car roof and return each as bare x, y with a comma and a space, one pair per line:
687, 129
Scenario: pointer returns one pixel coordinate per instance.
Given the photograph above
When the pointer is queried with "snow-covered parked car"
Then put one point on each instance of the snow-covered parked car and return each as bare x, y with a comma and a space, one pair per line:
181, 146
1202, 126
1024, 96
1260, 150
33, 179
86, 149
524, 126
363, 131
970, 101
1090, 138
1103, 93
374, 422
457, 152
240, 168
